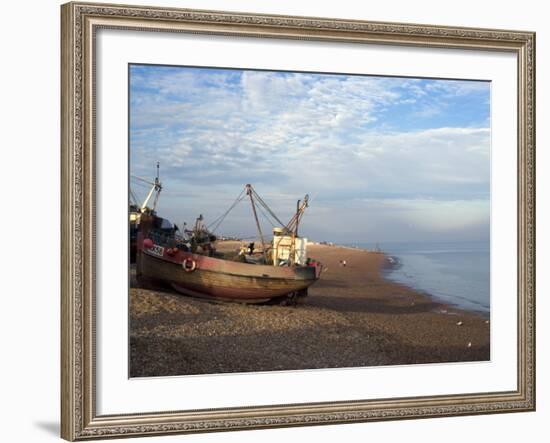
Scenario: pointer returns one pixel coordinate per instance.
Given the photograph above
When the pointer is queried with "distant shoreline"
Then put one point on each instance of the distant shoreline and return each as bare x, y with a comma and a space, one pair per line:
394, 261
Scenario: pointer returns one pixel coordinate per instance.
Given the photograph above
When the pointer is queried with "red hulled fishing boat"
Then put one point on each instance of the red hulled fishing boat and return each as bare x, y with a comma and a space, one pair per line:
191, 265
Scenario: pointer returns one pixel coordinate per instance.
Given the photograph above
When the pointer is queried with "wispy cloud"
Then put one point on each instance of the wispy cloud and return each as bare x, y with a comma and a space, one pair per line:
341, 138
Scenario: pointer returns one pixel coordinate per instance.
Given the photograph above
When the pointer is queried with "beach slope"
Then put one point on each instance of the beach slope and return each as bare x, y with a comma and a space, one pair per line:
352, 317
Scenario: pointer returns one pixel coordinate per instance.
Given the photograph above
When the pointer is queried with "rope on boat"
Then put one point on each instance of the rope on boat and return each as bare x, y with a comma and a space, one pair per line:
133, 197
262, 205
149, 182
217, 222
266, 216
267, 208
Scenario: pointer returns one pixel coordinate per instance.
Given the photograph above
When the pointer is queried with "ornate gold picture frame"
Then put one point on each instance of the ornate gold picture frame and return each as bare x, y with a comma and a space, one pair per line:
80, 23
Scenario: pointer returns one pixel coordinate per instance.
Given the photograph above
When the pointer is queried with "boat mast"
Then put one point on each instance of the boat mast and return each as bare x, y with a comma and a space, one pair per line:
155, 186
297, 217
292, 225
249, 193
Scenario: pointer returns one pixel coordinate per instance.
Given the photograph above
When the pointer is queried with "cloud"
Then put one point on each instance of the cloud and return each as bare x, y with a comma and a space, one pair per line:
341, 138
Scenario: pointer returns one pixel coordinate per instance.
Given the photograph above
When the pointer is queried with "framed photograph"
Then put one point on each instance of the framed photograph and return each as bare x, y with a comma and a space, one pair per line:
277, 221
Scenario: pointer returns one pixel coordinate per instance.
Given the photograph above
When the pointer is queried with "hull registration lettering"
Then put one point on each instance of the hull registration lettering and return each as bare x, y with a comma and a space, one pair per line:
157, 250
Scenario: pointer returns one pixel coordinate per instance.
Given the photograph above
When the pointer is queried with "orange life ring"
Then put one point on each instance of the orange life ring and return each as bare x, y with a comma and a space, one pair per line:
189, 265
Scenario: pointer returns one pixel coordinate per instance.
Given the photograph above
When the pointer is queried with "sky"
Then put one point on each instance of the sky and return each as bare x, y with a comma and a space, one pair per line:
382, 158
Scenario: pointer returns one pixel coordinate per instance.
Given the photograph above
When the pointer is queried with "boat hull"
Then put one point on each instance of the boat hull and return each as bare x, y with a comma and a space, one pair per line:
204, 276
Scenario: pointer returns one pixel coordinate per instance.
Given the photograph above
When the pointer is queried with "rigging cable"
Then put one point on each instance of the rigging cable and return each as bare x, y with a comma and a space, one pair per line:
217, 222
135, 177
265, 216
268, 209
133, 197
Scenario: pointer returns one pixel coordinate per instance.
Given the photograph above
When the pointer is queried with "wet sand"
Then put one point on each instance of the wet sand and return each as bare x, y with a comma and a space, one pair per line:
351, 317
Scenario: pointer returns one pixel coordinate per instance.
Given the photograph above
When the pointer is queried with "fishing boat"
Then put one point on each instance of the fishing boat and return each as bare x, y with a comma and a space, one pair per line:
190, 264
136, 209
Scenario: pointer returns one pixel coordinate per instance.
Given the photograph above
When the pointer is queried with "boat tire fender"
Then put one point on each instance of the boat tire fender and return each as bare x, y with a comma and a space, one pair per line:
189, 265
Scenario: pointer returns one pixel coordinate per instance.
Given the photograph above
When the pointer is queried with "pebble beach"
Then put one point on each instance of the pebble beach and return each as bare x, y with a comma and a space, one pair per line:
352, 317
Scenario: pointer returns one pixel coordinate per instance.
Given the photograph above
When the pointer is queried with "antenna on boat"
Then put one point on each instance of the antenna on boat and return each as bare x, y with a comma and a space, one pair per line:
249, 192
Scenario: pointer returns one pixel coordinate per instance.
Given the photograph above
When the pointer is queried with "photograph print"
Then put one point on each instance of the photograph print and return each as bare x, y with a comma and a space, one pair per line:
284, 220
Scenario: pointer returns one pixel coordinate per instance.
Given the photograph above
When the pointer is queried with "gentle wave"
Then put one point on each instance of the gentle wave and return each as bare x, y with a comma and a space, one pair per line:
457, 274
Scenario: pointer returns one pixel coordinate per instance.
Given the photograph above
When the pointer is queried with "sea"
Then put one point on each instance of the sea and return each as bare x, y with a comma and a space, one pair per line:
456, 273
